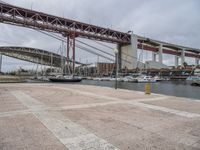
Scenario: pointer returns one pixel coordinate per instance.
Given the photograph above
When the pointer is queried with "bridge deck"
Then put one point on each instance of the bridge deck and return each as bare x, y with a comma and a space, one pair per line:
63, 116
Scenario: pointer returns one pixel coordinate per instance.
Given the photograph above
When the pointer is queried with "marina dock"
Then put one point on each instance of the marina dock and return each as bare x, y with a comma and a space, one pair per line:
73, 117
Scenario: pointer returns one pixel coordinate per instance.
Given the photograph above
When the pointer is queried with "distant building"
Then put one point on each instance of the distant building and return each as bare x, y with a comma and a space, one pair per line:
156, 65
105, 68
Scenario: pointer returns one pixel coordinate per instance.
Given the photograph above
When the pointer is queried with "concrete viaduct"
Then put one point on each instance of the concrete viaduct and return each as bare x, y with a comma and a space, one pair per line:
158, 48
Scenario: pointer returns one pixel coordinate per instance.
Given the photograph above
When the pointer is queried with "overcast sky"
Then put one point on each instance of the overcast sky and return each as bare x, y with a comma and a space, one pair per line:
175, 21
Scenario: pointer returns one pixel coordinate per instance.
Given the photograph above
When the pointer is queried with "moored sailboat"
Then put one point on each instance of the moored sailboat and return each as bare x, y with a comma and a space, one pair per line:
61, 78
64, 77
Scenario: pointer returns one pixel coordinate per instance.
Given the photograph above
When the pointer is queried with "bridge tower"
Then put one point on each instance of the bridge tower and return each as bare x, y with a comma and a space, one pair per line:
71, 47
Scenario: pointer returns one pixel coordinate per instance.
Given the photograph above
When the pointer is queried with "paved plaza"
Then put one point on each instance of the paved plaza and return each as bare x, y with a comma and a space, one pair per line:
80, 117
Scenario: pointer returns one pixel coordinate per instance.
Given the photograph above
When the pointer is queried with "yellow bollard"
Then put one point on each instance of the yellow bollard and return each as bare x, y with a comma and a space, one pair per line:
147, 88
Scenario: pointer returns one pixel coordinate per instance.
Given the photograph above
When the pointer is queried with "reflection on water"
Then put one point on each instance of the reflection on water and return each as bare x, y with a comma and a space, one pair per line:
174, 88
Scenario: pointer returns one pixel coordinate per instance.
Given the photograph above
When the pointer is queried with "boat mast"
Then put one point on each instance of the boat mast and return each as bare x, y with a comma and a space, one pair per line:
68, 48
1, 62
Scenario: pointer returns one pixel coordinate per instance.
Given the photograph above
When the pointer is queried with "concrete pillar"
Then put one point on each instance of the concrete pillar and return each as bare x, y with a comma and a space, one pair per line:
154, 56
134, 42
1, 62
196, 61
182, 57
129, 58
160, 54
176, 61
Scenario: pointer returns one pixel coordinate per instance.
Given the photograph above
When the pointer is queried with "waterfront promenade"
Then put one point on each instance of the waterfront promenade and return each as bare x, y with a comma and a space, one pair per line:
75, 117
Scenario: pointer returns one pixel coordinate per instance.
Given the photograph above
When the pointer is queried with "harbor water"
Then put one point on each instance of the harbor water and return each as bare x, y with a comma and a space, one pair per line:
174, 88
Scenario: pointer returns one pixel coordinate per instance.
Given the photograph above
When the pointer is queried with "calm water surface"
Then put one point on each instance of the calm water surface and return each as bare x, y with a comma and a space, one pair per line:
173, 88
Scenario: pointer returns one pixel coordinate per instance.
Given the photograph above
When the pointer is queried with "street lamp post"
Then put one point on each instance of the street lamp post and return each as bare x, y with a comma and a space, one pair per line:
0, 62
116, 66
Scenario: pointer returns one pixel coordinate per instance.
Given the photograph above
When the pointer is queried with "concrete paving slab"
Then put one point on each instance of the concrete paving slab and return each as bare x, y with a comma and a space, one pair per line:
144, 128
8, 102
73, 136
26, 132
178, 104
127, 95
63, 97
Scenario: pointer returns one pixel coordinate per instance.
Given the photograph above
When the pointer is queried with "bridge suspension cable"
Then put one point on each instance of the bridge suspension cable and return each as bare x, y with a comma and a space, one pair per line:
95, 48
80, 47
84, 48
62, 39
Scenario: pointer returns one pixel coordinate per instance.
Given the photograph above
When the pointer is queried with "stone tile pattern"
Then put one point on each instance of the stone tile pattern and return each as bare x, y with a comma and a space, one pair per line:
88, 117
